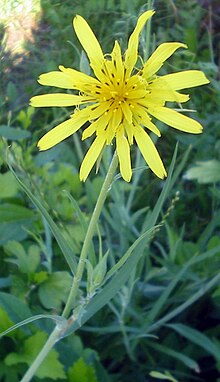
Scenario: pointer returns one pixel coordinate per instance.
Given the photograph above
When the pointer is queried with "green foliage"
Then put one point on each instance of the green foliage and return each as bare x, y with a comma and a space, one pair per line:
27, 262
50, 367
205, 172
9, 186
81, 372
166, 376
54, 291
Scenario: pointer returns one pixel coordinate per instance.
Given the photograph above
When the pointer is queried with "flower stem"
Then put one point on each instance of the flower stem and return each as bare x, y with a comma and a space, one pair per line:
89, 235
53, 338
59, 330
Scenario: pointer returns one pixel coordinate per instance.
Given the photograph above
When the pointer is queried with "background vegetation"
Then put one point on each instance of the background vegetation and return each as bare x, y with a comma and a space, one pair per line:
166, 318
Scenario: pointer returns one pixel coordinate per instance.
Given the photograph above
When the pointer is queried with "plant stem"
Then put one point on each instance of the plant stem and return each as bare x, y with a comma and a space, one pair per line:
60, 329
54, 336
89, 235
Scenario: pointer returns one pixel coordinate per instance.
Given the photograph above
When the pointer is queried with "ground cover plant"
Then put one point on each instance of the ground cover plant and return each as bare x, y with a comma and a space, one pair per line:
145, 293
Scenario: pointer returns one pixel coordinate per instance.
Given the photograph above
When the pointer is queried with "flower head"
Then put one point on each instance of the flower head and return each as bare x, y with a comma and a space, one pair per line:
120, 100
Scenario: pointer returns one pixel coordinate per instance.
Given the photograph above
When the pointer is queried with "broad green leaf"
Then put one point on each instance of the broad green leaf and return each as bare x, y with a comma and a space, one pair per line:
81, 372
54, 291
13, 213
14, 231
50, 367
197, 338
8, 185
17, 310
5, 321
8, 374
27, 261
13, 133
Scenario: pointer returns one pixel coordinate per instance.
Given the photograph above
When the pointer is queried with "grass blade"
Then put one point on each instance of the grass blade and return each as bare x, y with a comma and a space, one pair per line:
197, 338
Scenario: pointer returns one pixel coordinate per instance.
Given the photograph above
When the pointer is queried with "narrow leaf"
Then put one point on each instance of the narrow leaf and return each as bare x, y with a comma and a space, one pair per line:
189, 362
197, 338
65, 248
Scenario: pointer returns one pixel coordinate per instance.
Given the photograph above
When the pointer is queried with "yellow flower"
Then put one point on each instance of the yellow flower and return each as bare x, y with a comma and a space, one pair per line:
119, 100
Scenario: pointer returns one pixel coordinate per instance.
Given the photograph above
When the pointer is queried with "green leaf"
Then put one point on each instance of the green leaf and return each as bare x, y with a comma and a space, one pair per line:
26, 261
14, 230
116, 282
84, 63
81, 372
24, 117
13, 213
17, 310
50, 367
192, 299
8, 374
9, 186
11, 91
14, 219
205, 172
167, 376
13, 133
189, 362
197, 338
54, 291
5, 321
57, 319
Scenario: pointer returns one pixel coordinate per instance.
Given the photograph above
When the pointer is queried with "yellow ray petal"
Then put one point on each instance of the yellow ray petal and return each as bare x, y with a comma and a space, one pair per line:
88, 41
117, 61
98, 126
184, 80
123, 151
161, 54
91, 157
132, 51
166, 95
99, 109
57, 99
139, 93
176, 120
126, 111
78, 79
114, 122
129, 129
149, 152
63, 130
143, 118
56, 78
67, 78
